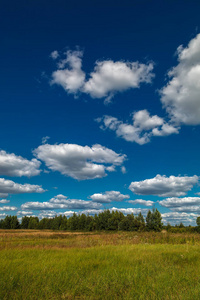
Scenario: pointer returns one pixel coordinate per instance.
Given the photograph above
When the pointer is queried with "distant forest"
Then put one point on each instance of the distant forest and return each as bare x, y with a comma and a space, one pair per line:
105, 220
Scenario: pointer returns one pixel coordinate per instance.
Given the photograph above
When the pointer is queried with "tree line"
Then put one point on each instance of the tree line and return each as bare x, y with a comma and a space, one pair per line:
105, 220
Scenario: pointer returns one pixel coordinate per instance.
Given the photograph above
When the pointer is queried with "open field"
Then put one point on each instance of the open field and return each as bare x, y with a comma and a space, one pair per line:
132, 265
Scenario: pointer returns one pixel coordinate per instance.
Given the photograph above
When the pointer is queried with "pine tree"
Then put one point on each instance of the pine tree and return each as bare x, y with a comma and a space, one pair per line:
25, 222
154, 220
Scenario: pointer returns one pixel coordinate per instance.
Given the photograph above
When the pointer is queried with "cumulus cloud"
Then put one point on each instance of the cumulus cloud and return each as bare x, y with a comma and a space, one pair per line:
108, 197
3, 201
68, 213
3, 195
166, 129
10, 187
60, 202
195, 209
73, 203
7, 208
2, 216
107, 78
47, 214
45, 139
13, 165
179, 202
176, 217
59, 198
186, 204
91, 211
110, 77
79, 162
54, 54
141, 130
143, 120
141, 202
163, 186
51, 214
70, 75
180, 96
25, 213
123, 170
127, 211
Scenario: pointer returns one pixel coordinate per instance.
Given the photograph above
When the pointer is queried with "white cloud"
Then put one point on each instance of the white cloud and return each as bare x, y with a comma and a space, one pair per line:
141, 202
186, 204
91, 211
45, 139
70, 75
8, 208
47, 214
143, 120
127, 211
2, 216
10, 187
123, 170
68, 213
13, 165
79, 162
108, 197
25, 213
126, 131
175, 218
143, 128
4, 201
166, 129
52, 214
59, 197
163, 186
54, 54
73, 203
3, 195
195, 209
179, 202
180, 96
60, 202
108, 77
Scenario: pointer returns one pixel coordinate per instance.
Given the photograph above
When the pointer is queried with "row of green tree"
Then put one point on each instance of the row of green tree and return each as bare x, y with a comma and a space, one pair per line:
105, 220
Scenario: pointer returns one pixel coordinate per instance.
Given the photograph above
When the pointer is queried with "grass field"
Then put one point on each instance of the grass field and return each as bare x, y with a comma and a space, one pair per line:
63, 265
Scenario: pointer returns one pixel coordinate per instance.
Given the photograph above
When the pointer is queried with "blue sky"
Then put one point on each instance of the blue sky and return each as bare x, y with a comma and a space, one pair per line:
100, 105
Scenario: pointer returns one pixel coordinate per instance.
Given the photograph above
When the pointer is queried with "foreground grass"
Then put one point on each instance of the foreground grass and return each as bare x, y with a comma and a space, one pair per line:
49, 265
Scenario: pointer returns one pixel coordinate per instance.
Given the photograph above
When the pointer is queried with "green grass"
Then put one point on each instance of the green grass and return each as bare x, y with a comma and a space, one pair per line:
50, 265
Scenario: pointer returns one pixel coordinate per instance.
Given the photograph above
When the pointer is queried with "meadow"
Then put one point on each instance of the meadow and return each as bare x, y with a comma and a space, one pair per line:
99, 265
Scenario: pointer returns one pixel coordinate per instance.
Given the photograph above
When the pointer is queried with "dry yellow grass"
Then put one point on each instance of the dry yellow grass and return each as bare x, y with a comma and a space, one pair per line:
62, 239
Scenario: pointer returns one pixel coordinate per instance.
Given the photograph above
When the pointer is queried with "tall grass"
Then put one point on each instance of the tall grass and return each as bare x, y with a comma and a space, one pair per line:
99, 266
